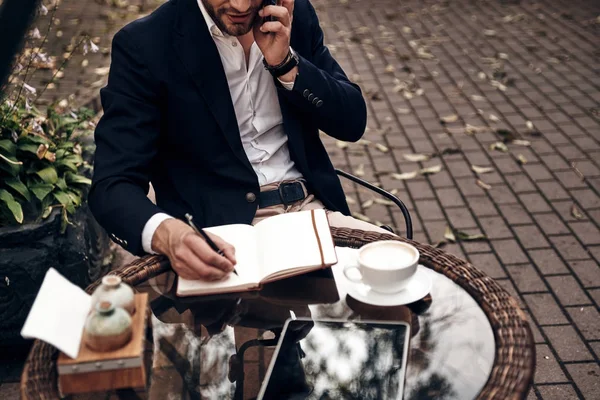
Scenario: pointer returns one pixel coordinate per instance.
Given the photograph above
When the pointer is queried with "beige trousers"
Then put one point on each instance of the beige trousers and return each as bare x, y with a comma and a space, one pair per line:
336, 218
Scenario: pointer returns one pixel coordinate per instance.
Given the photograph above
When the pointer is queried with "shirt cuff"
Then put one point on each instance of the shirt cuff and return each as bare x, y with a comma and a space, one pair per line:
287, 85
149, 229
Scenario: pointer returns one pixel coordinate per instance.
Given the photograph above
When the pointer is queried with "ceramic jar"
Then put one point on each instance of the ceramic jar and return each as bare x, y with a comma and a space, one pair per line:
107, 328
116, 292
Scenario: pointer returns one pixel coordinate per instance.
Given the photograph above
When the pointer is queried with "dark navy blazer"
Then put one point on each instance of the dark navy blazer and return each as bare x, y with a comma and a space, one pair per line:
169, 119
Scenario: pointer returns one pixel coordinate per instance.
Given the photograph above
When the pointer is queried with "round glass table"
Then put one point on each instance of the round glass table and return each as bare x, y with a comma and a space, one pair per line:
468, 338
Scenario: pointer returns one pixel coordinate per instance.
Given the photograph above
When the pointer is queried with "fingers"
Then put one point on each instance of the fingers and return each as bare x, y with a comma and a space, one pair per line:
289, 4
189, 266
206, 254
272, 26
282, 14
227, 249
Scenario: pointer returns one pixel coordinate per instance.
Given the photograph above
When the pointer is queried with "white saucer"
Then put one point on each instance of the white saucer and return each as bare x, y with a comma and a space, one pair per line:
418, 287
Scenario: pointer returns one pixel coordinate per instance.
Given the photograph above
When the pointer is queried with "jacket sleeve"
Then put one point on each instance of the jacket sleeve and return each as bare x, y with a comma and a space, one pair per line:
323, 90
126, 144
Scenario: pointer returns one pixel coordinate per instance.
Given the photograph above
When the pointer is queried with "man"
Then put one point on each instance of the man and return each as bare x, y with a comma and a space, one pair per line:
217, 102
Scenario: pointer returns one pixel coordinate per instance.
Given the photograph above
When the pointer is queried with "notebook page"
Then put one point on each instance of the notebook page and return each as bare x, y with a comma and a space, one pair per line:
58, 314
243, 239
289, 241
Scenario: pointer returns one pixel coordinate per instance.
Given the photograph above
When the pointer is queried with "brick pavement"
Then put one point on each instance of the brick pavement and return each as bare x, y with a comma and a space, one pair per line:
545, 53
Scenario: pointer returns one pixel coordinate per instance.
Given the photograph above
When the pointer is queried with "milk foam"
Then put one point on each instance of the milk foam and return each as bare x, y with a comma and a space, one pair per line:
387, 256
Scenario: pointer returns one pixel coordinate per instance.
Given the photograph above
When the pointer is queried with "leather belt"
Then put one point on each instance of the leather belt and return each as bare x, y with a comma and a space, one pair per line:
286, 193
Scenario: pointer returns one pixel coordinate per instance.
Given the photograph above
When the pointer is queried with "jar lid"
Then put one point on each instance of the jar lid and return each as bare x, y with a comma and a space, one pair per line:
111, 280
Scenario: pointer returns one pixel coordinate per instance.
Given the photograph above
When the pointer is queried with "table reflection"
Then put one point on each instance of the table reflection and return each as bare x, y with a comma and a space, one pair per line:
220, 347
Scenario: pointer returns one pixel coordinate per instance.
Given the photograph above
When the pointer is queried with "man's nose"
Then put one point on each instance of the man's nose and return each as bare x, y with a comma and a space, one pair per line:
241, 5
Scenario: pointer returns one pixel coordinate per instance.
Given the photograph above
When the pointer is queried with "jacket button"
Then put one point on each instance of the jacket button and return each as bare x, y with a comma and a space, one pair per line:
319, 103
306, 93
250, 197
310, 97
315, 100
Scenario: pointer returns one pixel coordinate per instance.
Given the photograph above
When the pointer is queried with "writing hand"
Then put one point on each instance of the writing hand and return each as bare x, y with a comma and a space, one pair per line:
190, 256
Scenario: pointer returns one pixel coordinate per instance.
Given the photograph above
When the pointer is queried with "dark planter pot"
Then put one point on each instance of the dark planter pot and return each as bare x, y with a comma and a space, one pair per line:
81, 255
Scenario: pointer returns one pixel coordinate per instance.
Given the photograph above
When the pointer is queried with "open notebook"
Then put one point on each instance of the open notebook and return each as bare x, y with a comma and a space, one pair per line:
276, 248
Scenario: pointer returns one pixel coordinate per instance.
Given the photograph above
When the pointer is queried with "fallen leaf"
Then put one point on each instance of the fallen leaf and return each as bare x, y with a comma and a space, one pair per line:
406, 29
449, 235
350, 200
439, 244
476, 97
363, 142
446, 151
405, 176
360, 171
449, 119
576, 213
431, 170
489, 32
382, 148
472, 129
500, 146
529, 125
385, 202
577, 171
503, 56
361, 217
494, 118
481, 170
403, 111
102, 71
521, 159
390, 69
483, 185
367, 203
340, 144
416, 157
482, 76
519, 142
498, 85
466, 237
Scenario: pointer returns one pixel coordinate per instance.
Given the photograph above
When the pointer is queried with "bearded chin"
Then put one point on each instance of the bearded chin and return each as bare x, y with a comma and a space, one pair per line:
233, 29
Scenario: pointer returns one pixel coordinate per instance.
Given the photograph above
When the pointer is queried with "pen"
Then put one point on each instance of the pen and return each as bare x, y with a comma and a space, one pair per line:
206, 237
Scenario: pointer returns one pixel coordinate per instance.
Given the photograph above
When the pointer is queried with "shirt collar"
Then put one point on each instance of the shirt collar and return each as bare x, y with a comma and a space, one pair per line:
212, 27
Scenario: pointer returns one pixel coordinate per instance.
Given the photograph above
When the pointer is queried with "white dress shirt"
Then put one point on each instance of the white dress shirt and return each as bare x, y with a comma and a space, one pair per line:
258, 114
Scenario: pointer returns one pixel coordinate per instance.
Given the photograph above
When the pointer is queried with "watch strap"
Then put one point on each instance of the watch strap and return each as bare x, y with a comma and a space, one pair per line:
284, 67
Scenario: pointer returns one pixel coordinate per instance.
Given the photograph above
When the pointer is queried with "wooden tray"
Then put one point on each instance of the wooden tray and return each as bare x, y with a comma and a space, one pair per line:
123, 368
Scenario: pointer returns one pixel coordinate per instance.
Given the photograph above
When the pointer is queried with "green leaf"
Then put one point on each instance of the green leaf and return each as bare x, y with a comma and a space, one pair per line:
8, 147
35, 139
19, 187
61, 184
500, 146
64, 199
41, 190
449, 235
465, 237
48, 174
13, 206
28, 147
75, 198
47, 212
74, 178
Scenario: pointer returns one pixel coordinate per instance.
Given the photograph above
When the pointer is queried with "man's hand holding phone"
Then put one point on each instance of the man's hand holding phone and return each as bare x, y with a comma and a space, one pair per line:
272, 33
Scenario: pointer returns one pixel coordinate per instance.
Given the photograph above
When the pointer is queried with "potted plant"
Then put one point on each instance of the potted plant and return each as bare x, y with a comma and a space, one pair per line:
44, 221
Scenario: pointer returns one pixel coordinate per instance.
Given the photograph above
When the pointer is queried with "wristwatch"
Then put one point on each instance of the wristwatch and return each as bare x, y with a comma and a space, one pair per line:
285, 66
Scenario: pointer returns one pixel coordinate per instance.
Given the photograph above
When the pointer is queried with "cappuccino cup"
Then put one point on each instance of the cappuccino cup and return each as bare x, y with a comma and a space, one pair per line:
386, 266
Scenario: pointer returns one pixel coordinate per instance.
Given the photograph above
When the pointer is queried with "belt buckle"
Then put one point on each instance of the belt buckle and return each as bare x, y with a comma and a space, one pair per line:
283, 186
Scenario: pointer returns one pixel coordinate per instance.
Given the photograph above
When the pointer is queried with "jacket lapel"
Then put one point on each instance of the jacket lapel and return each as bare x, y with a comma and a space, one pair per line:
199, 54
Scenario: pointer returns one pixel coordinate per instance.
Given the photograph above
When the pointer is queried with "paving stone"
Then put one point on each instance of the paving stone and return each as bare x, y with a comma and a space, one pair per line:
551, 224
547, 369
526, 278
587, 378
10, 391
567, 343
534, 203
587, 232
568, 290
569, 248
586, 198
557, 392
450, 197
587, 320
596, 347
481, 206
537, 335
515, 214
564, 210
545, 309
488, 263
531, 237
509, 251
552, 190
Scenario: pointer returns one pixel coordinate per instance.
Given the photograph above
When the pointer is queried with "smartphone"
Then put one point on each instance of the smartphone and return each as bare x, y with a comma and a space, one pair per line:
334, 359
269, 3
